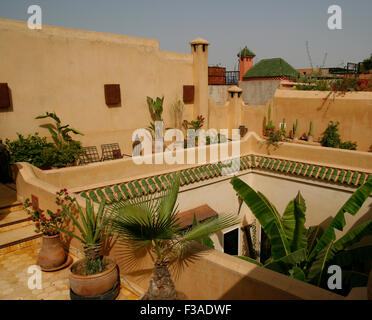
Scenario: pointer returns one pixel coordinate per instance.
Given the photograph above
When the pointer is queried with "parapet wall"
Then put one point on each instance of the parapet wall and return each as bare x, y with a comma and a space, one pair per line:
64, 71
353, 110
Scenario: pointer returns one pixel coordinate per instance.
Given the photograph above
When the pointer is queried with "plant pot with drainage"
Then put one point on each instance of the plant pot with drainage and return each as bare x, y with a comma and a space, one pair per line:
52, 255
94, 277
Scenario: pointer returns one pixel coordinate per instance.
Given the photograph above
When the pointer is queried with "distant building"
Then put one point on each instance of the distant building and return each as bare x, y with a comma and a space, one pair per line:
270, 69
245, 61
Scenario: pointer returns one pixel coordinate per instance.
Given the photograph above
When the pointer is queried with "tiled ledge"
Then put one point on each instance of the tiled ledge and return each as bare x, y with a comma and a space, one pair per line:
157, 183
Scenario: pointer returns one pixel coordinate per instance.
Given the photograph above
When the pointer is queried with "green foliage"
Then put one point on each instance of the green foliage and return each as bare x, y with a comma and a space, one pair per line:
40, 153
367, 64
60, 133
156, 108
332, 139
311, 129
305, 254
92, 228
32, 149
151, 221
295, 126
207, 241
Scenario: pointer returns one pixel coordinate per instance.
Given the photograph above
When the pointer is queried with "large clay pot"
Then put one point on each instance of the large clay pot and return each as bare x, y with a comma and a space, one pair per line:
96, 284
52, 254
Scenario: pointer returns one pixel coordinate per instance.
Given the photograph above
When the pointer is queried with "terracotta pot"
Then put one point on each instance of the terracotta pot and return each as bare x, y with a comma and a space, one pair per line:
96, 284
52, 254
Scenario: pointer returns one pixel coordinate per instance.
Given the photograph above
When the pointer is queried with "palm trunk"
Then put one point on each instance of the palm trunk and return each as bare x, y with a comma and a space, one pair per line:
161, 285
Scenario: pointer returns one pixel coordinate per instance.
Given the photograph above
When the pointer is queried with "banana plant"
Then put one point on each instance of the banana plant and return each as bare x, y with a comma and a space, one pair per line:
60, 133
305, 253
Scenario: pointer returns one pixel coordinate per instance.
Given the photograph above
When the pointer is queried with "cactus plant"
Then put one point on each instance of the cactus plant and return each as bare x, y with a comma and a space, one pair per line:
310, 134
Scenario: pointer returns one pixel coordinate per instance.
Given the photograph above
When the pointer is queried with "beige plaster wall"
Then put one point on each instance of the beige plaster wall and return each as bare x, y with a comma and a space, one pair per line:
64, 70
353, 111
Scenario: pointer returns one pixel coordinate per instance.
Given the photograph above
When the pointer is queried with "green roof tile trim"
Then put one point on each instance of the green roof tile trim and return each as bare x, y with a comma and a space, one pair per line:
315, 172
188, 176
139, 187
110, 194
118, 193
341, 176
101, 194
93, 196
348, 176
355, 178
322, 172
334, 175
266, 68
245, 52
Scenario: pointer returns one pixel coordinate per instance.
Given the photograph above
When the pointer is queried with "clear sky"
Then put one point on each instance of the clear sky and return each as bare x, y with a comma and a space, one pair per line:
270, 28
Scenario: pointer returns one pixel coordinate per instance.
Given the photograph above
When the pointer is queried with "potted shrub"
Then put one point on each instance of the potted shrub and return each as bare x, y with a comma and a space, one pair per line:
156, 126
94, 277
194, 125
152, 223
52, 255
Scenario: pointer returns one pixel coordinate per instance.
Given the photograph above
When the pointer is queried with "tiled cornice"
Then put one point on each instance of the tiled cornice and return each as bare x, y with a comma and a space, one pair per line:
189, 176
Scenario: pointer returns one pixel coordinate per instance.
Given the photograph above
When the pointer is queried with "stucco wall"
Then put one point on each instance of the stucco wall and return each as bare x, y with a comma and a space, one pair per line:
352, 110
258, 92
218, 93
63, 70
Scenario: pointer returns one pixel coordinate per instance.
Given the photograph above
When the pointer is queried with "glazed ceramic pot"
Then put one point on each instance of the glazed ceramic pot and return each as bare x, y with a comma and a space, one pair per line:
52, 254
96, 284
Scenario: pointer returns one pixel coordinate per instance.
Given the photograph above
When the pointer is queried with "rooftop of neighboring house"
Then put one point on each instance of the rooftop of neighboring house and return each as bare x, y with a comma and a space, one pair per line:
267, 68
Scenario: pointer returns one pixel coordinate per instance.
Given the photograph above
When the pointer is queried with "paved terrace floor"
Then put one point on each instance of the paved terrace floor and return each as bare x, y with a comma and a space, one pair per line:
55, 285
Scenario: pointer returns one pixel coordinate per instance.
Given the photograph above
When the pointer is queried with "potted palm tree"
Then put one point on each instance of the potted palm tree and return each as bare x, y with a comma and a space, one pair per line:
153, 223
95, 277
305, 253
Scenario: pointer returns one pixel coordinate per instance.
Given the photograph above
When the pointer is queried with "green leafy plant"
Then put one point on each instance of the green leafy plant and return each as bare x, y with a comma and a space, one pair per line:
194, 124
60, 133
305, 253
294, 128
311, 129
32, 149
269, 128
151, 222
156, 111
332, 139
92, 230
49, 222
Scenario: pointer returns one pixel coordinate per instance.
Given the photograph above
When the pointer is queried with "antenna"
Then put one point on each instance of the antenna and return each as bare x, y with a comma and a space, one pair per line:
308, 54
324, 60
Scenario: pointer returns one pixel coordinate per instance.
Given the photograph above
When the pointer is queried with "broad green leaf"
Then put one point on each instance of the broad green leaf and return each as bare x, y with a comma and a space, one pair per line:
352, 206
319, 266
354, 235
267, 215
294, 223
346, 258
297, 273
313, 235
250, 260
293, 258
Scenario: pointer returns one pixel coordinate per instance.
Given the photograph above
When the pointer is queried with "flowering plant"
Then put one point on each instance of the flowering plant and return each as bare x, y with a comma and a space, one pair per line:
46, 223
194, 124
276, 136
